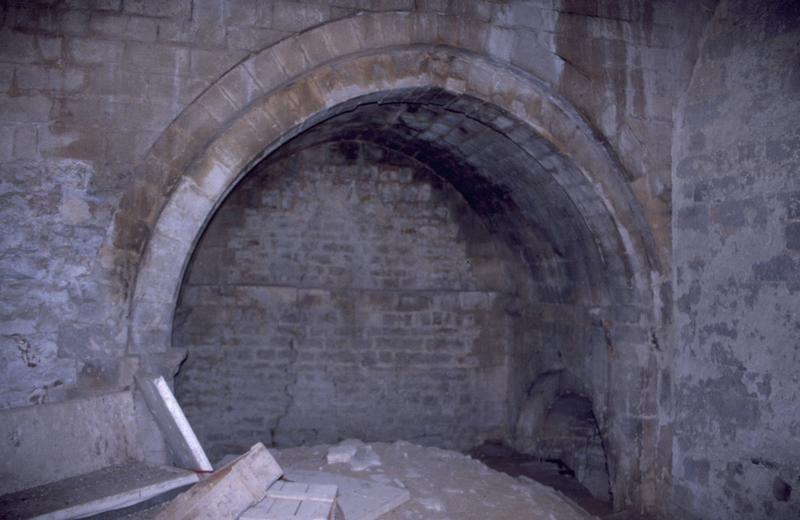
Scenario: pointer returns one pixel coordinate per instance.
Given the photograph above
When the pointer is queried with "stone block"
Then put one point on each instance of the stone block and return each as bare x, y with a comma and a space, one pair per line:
7, 142
532, 56
25, 142
184, 215
115, 26
193, 33
245, 12
175, 9
240, 87
265, 68
253, 38
792, 205
295, 500
50, 48
208, 12
792, 233
26, 109
209, 65
473, 35
316, 47
156, 58
297, 16
65, 79
343, 36
290, 56
16, 47
500, 43
358, 499
94, 51
229, 491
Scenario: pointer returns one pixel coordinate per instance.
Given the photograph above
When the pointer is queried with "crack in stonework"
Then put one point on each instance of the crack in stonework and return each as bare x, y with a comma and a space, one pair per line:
294, 355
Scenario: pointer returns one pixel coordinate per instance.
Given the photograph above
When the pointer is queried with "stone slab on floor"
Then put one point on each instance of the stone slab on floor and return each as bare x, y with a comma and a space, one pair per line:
295, 501
97, 492
358, 499
171, 420
229, 491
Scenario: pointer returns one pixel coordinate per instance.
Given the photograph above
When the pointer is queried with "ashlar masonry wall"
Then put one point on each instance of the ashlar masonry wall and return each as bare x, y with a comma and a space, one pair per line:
344, 291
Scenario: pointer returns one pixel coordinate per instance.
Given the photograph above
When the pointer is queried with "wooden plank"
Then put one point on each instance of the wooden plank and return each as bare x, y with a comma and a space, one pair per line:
108, 489
171, 420
229, 491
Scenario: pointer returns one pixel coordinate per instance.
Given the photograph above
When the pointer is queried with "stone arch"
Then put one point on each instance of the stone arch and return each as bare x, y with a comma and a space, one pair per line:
370, 59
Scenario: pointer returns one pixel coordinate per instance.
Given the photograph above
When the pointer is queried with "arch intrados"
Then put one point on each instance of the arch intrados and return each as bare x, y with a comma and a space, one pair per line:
543, 225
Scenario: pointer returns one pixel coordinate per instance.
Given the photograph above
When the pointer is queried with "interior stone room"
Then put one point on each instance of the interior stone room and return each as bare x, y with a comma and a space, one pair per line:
554, 244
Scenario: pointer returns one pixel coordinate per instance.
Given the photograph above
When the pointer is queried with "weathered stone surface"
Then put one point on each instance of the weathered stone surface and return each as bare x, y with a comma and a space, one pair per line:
737, 153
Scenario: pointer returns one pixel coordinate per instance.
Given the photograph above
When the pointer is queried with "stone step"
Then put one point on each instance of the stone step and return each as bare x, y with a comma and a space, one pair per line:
108, 489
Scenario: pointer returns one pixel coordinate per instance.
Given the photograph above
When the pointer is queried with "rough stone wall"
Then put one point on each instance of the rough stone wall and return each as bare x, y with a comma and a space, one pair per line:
344, 291
736, 452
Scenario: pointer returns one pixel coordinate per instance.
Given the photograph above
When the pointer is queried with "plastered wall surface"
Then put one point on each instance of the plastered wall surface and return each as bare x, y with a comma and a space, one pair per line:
736, 447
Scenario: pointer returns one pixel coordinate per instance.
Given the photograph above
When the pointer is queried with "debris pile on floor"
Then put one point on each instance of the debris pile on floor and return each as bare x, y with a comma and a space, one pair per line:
351, 480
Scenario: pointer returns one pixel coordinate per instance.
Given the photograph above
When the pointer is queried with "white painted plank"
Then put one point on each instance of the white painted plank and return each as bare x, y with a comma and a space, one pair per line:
173, 423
